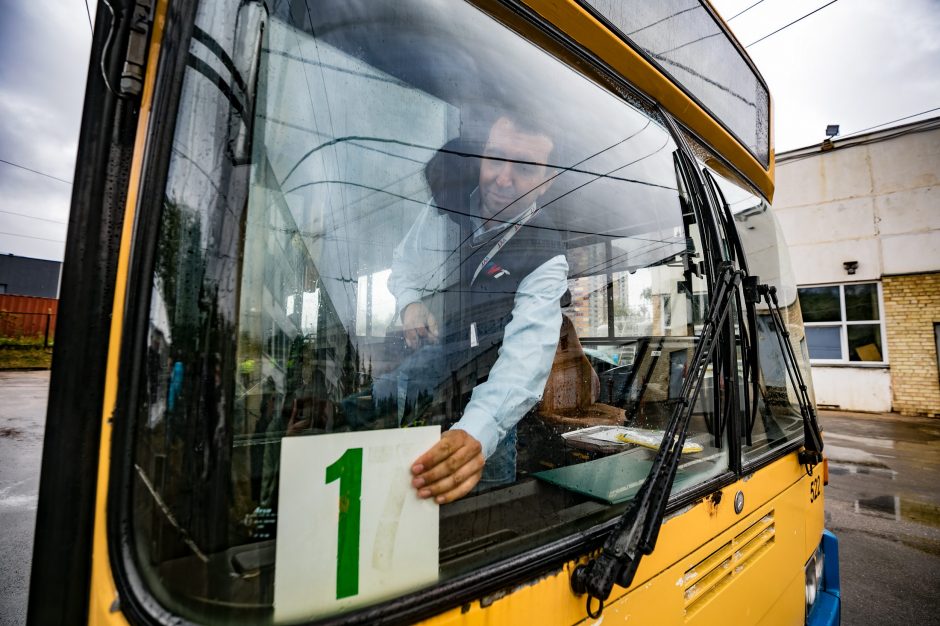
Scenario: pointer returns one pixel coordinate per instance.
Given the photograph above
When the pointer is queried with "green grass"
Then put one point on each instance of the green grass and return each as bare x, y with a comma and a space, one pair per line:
24, 353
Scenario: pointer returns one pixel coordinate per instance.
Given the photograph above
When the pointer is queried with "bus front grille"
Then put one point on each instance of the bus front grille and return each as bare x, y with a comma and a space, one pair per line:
707, 578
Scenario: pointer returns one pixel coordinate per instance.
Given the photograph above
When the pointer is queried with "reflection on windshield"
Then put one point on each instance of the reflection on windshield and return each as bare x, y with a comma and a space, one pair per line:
423, 235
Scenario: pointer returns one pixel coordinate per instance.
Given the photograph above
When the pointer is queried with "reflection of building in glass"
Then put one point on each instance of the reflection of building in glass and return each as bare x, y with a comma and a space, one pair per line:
588, 310
276, 273
645, 301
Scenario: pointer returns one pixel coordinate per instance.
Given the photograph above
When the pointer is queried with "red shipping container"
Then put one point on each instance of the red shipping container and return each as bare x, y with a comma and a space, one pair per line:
27, 316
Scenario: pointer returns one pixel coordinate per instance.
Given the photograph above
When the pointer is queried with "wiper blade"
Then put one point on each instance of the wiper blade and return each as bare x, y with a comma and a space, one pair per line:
749, 340
635, 533
811, 454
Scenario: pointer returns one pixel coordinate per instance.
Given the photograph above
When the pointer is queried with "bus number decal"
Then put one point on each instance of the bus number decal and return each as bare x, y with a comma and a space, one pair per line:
348, 471
815, 488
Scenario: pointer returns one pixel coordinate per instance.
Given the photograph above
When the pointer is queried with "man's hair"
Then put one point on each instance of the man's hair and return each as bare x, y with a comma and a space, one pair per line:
475, 130
454, 170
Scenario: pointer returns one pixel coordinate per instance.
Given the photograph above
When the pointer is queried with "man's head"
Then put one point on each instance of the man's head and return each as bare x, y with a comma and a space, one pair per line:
514, 169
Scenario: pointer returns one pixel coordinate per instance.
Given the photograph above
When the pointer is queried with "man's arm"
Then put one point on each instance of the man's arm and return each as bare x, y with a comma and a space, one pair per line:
417, 260
417, 265
451, 468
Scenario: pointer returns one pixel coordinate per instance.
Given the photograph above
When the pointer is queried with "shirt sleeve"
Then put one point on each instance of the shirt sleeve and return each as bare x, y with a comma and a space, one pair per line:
417, 261
517, 379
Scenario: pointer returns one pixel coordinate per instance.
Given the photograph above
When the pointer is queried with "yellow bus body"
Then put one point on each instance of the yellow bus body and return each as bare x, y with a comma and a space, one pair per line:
725, 553
706, 544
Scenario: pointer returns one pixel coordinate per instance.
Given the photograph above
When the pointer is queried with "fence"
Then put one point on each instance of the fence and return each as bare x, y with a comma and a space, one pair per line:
28, 317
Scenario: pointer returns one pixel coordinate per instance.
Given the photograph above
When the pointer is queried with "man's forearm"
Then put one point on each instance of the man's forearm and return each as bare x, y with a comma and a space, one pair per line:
417, 260
517, 379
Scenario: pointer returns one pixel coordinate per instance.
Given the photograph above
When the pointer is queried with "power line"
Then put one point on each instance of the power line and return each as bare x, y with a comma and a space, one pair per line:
33, 217
918, 127
745, 10
28, 169
32, 237
791, 24
900, 119
88, 12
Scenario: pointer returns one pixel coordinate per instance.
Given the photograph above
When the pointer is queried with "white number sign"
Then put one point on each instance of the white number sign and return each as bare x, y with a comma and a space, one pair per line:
351, 530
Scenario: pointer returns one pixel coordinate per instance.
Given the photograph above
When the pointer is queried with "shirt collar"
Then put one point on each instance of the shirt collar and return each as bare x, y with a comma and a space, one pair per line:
477, 223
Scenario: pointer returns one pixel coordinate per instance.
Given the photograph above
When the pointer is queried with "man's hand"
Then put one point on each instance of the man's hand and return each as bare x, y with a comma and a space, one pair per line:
450, 469
419, 325
297, 423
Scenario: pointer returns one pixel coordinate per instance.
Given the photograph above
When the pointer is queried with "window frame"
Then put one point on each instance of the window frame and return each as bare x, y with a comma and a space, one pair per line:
141, 603
843, 325
710, 175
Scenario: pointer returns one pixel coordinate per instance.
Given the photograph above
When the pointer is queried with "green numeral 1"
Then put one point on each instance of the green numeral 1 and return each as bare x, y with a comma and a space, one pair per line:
348, 470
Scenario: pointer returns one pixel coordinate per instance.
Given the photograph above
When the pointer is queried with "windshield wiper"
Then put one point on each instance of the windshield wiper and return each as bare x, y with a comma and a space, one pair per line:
635, 533
811, 454
749, 339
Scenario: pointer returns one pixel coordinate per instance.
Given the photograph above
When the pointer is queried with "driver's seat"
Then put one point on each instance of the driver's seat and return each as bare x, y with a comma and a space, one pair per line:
572, 389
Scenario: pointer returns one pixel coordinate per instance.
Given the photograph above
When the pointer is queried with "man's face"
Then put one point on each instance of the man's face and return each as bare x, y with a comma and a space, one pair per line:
504, 180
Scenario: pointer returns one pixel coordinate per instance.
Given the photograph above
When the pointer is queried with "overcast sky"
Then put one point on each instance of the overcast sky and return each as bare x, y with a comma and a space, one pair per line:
856, 63
44, 49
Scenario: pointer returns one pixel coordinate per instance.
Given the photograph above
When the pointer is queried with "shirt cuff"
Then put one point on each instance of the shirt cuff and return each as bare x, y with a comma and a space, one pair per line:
407, 296
481, 427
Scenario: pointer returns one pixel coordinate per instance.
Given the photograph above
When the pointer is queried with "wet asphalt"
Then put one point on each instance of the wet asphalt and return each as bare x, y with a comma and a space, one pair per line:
883, 502
22, 417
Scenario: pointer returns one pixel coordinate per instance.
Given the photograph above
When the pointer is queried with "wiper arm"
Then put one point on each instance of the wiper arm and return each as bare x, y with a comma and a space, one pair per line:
635, 533
811, 454
749, 340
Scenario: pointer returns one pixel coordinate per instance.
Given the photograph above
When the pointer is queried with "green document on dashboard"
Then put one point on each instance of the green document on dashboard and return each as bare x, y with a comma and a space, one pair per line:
611, 479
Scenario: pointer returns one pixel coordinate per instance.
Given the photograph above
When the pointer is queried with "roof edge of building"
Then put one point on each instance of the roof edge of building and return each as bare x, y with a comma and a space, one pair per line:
836, 143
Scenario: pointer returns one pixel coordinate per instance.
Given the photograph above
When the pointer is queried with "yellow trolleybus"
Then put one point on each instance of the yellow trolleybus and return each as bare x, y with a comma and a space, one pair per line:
574, 196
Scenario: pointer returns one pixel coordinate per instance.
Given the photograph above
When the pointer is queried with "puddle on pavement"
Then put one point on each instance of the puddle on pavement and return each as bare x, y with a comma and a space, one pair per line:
898, 508
839, 469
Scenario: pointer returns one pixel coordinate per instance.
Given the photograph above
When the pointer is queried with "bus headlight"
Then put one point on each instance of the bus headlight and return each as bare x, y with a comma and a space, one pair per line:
813, 577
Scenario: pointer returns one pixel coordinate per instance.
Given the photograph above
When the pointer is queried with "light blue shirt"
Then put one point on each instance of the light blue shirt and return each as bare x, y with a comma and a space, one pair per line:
423, 265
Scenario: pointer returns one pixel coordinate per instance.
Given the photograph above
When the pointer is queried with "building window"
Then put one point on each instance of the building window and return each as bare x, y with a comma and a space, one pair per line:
844, 323
3, 287
936, 338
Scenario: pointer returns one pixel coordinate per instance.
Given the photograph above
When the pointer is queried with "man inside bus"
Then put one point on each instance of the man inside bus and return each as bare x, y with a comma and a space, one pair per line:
501, 313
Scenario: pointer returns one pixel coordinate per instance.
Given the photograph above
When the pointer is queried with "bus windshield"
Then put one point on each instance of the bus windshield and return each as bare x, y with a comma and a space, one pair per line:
343, 166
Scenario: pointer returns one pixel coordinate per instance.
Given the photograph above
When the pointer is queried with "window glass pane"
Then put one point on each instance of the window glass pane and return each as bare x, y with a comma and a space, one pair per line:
864, 342
820, 304
588, 310
632, 295
771, 414
400, 229
688, 43
825, 342
861, 302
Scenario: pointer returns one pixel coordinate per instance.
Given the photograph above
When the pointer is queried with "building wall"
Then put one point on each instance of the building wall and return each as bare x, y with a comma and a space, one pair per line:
853, 388
874, 200
23, 276
876, 203
912, 307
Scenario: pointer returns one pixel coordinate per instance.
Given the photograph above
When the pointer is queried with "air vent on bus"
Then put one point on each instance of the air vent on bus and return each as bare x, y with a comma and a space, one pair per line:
707, 578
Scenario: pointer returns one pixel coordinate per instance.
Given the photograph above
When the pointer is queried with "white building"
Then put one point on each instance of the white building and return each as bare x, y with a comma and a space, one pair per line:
862, 219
